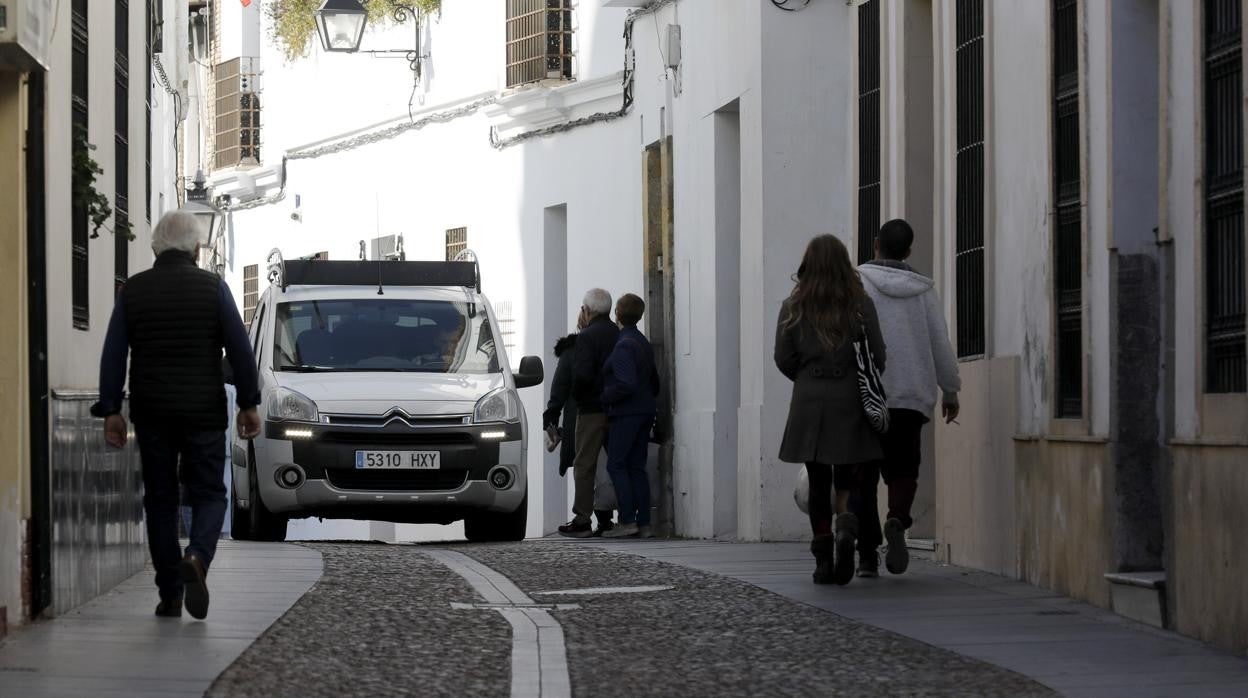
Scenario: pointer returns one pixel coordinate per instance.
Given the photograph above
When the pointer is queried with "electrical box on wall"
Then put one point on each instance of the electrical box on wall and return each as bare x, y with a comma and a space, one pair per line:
24, 29
673, 46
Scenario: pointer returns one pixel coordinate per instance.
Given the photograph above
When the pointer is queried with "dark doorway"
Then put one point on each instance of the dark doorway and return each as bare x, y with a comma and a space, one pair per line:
37, 332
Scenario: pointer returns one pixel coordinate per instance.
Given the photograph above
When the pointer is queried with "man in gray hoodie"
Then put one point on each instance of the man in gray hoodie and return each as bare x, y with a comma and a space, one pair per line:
921, 364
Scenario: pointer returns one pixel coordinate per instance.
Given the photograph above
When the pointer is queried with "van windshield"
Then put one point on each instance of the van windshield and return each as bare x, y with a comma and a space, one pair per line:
384, 335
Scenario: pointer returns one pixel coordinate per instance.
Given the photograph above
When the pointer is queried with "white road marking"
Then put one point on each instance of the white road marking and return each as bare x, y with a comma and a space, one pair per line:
495, 606
597, 591
539, 656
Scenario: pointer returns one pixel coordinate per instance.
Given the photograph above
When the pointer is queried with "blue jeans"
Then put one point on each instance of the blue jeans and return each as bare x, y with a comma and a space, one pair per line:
628, 437
202, 456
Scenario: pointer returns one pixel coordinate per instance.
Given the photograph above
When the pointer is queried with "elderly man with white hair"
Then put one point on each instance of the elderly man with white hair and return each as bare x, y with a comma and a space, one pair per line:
173, 321
593, 345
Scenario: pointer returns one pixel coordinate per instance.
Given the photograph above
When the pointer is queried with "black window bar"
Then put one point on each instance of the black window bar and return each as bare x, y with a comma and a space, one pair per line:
868, 128
1068, 240
969, 211
121, 127
80, 278
1226, 352
152, 28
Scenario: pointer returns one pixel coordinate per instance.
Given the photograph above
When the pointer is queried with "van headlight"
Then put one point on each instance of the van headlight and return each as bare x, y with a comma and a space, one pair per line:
288, 405
502, 405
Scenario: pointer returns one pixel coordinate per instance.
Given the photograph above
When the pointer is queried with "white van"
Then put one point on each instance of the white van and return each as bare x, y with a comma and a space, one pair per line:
386, 395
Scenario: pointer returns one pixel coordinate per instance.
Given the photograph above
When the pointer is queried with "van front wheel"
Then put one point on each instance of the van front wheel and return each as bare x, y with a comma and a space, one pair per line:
495, 527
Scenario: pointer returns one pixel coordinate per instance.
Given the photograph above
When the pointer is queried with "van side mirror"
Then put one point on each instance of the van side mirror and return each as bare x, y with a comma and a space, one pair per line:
530, 373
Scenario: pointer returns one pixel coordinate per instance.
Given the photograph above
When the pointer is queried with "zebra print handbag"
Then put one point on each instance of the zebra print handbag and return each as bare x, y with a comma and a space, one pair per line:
870, 384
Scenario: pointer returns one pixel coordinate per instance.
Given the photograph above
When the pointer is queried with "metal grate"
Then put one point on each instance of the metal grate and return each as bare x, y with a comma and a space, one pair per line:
969, 213
121, 129
539, 41
1226, 352
251, 291
868, 128
456, 242
506, 324
1068, 241
80, 277
397, 480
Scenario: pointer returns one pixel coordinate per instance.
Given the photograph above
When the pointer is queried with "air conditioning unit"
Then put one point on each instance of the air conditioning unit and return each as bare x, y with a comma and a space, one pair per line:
25, 26
388, 247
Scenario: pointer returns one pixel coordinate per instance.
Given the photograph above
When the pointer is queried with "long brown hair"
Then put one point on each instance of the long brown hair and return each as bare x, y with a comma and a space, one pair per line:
828, 292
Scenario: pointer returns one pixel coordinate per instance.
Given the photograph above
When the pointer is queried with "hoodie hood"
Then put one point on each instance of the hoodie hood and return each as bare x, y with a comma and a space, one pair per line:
895, 282
564, 344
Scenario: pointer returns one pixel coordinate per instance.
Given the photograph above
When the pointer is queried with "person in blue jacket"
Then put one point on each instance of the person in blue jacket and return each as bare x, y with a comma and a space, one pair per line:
630, 390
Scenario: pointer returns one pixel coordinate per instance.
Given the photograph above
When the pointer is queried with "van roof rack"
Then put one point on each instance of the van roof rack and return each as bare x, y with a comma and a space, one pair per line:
308, 272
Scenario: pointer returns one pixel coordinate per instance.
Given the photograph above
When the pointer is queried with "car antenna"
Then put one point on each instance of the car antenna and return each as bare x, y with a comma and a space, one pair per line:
380, 291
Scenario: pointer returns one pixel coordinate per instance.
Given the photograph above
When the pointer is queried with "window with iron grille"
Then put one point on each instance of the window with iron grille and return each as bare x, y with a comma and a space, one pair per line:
1067, 192
456, 242
251, 291
506, 325
1226, 358
153, 26
539, 41
868, 128
80, 278
121, 136
969, 206
237, 114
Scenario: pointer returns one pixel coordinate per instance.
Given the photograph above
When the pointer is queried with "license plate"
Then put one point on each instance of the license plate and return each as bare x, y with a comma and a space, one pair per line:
398, 460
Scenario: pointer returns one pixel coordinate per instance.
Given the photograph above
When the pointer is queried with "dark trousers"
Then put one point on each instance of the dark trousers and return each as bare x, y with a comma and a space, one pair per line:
824, 479
903, 451
627, 442
202, 457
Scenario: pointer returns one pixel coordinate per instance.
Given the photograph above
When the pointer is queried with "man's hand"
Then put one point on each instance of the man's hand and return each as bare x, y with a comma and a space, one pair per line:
248, 423
950, 412
115, 432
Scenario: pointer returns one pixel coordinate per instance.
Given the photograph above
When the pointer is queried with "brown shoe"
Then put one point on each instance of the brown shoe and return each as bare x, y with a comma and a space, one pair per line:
194, 576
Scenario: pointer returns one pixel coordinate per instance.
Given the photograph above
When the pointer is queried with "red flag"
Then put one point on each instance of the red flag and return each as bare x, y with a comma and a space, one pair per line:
246, 3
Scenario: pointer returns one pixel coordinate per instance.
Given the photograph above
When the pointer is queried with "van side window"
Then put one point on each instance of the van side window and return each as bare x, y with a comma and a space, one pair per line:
257, 327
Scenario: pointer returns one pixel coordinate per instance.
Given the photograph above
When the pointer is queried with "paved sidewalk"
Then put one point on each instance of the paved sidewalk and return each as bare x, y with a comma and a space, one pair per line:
115, 646
1073, 647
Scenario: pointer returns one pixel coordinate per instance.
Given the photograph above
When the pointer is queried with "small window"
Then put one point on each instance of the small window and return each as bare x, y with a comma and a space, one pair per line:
456, 242
251, 291
80, 267
121, 136
539, 41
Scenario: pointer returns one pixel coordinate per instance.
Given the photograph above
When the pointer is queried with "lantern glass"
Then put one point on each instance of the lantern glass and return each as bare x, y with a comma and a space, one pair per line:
340, 24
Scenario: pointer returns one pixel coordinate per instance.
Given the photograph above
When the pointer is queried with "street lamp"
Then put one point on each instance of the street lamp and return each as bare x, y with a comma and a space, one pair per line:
341, 25
197, 204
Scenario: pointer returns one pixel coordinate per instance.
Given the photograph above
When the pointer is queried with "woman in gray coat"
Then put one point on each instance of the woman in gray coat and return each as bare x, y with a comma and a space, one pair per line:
819, 322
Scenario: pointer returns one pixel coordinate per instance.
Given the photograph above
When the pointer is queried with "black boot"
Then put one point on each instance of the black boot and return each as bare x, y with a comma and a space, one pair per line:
822, 547
846, 541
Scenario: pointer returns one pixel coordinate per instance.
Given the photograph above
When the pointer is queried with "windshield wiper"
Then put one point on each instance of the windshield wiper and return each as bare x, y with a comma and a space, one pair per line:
305, 368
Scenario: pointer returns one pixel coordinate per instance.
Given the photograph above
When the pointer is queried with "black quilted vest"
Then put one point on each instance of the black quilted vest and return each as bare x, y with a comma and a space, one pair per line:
173, 319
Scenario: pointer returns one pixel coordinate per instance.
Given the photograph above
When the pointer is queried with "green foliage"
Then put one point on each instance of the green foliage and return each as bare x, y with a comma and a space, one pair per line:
294, 21
97, 206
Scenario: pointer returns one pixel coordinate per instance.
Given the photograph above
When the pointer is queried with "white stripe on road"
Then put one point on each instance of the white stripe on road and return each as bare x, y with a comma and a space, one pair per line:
539, 657
597, 591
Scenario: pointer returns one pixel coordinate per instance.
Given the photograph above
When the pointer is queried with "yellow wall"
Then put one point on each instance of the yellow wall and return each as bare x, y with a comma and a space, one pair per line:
14, 463
1210, 555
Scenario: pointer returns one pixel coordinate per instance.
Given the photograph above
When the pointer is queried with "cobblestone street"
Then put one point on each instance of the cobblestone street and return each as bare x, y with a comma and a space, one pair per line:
381, 621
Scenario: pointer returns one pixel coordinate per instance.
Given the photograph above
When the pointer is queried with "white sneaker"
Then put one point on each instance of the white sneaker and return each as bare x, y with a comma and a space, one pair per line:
645, 532
628, 530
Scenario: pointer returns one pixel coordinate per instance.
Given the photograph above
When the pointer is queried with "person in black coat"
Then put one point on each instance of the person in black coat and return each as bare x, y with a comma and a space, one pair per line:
561, 402
818, 325
593, 345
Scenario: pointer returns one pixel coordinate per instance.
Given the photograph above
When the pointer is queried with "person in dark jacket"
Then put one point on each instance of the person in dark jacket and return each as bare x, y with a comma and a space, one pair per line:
819, 322
630, 388
173, 321
562, 403
593, 345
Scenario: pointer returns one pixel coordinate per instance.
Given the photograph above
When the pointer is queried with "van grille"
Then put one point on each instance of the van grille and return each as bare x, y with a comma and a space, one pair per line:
397, 480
